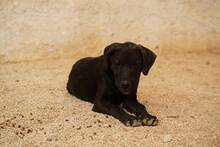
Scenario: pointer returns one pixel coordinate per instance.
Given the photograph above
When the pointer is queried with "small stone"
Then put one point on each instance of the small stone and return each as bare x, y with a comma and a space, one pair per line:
173, 116
157, 47
29, 130
67, 120
188, 69
78, 128
207, 62
49, 139
167, 138
13, 125
2, 127
196, 136
23, 129
192, 116
40, 121
107, 125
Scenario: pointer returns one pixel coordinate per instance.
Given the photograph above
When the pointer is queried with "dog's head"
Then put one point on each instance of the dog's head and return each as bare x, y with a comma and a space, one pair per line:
125, 61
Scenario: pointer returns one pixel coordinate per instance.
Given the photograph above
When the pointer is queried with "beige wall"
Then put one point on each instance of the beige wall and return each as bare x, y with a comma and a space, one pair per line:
31, 29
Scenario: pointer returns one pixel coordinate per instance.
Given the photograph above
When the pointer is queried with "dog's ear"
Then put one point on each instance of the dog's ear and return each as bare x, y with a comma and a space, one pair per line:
108, 52
148, 58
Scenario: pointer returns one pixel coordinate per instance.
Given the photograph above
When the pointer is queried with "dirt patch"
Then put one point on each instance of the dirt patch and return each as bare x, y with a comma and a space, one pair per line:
183, 90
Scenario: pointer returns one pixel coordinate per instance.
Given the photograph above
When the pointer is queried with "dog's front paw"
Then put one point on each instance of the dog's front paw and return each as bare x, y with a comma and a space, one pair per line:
150, 121
133, 123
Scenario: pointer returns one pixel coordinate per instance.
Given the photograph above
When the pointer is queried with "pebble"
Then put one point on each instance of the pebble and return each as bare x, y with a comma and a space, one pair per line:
29, 130
78, 128
39, 121
23, 128
89, 126
167, 138
13, 125
49, 139
107, 125
2, 127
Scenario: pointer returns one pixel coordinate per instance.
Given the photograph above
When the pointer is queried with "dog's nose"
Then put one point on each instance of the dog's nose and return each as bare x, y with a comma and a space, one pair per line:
125, 84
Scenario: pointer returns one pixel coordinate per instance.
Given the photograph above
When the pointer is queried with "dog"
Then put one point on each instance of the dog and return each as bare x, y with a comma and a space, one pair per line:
110, 82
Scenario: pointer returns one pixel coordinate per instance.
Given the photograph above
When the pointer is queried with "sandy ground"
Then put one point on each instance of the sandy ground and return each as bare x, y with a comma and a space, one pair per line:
183, 90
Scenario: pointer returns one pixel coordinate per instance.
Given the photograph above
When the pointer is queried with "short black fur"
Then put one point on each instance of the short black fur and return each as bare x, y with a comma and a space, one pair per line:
111, 81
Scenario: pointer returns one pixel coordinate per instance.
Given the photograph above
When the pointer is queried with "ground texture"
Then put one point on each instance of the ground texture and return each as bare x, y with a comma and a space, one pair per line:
182, 90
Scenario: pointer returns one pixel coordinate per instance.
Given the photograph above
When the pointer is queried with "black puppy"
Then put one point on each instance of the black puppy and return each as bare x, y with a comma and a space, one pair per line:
111, 80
